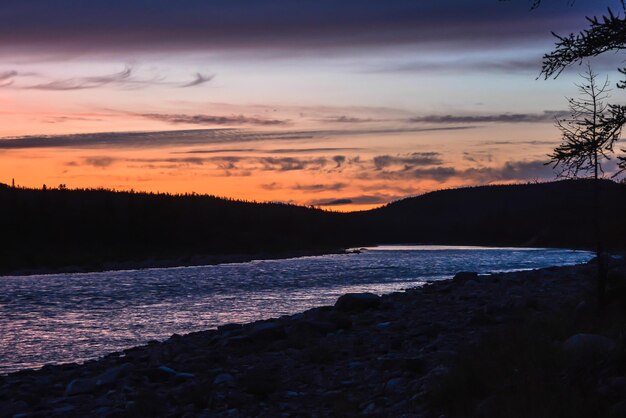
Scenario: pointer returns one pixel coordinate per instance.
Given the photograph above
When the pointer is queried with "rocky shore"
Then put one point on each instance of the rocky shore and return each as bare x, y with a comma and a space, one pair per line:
367, 355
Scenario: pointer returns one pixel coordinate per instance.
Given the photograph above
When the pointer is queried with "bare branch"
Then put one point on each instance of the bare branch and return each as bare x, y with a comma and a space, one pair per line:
589, 135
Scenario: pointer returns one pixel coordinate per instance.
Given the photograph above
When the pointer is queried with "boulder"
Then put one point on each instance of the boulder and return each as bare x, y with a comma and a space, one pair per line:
167, 370
310, 328
396, 385
586, 348
229, 327
260, 381
617, 275
464, 276
618, 410
488, 407
224, 379
111, 375
267, 331
12, 408
356, 302
80, 386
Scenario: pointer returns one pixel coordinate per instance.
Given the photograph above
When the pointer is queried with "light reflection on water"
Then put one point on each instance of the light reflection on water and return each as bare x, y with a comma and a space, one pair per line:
75, 317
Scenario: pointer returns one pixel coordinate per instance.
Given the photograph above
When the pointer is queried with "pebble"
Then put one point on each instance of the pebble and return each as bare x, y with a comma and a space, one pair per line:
224, 378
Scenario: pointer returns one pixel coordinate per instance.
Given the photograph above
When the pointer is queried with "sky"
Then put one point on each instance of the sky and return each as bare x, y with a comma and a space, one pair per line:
345, 105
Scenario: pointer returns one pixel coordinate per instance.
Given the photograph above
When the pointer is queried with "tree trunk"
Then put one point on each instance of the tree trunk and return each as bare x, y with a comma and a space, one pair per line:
600, 261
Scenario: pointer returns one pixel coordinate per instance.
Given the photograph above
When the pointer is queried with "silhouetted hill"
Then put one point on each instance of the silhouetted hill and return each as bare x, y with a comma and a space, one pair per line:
556, 214
55, 228
50, 229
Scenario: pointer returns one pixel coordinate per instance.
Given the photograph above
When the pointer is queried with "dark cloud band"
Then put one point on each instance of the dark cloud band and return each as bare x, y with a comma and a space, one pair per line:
231, 136
546, 116
116, 25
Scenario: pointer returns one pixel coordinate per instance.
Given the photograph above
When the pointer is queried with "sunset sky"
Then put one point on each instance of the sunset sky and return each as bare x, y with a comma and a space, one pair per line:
342, 104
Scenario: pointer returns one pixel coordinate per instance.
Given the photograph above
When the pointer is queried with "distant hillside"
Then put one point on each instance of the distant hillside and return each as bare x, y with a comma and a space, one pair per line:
545, 214
54, 228
51, 229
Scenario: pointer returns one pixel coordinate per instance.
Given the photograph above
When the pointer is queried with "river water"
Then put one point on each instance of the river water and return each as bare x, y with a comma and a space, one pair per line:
74, 317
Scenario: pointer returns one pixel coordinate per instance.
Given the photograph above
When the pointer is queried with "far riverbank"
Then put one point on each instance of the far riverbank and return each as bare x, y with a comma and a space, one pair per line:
167, 262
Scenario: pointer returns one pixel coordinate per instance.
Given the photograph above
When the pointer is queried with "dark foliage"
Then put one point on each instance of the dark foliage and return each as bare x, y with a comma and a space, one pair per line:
604, 33
590, 133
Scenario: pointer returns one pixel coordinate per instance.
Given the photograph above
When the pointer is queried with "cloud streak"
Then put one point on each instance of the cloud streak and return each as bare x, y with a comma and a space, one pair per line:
353, 200
99, 161
199, 80
6, 75
317, 188
80, 83
349, 119
407, 161
122, 79
545, 116
191, 137
509, 171
524, 65
176, 119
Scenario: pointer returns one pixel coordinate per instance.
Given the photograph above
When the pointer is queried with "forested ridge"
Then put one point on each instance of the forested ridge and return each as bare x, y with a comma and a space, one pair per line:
55, 228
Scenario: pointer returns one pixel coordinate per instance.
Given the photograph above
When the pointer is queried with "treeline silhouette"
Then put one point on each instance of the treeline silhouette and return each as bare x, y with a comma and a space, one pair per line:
56, 228
554, 214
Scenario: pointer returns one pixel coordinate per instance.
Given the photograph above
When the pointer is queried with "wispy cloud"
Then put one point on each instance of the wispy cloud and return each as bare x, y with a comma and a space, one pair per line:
291, 163
99, 161
7, 78
545, 116
211, 119
439, 174
349, 119
80, 83
320, 187
509, 171
531, 142
311, 150
6, 75
200, 79
407, 161
217, 151
186, 160
63, 119
523, 65
271, 151
353, 200
478, 156
122, 79
308, 188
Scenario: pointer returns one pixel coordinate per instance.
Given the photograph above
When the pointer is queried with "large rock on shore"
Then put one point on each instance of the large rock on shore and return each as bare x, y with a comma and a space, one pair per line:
80, 386
587, 348
464, 276
111, 375
356, 302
